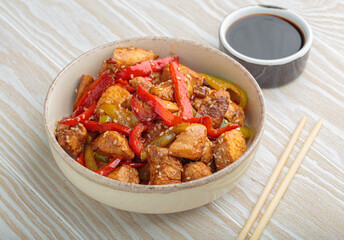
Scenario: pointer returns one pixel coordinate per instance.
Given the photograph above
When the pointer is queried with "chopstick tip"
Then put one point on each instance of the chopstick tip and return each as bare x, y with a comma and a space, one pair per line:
304, 119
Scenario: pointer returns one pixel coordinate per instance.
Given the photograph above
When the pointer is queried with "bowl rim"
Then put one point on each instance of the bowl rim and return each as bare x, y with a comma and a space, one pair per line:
266, 9
139, 188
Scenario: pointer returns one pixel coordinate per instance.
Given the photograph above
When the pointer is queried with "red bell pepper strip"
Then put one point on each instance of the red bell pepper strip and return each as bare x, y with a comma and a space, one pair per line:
80, 118
139, 69
104, 127
134, 164
81, 158
94, 92
144, 114
172, 120
158, 106
125, 85
109, 167
134, 139
144, 68
180, 91
215, 133
159, 64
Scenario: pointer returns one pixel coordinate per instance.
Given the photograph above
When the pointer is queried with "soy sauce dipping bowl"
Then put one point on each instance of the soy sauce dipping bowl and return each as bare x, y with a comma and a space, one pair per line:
274, 72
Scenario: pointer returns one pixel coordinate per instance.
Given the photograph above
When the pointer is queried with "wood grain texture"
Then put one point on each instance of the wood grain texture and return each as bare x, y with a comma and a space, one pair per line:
40, 38
23, 215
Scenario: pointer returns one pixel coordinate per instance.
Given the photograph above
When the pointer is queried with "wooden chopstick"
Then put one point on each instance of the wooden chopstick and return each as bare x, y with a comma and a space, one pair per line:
286, 181
272, 180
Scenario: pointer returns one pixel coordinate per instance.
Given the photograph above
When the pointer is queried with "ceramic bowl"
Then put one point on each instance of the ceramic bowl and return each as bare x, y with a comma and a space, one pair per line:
276, 72
149, 198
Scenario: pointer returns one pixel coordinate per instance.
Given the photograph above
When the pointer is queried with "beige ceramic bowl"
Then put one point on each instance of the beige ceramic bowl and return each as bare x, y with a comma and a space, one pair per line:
147, 198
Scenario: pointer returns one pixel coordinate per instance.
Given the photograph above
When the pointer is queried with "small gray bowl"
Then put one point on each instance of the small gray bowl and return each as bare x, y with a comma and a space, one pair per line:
276, 72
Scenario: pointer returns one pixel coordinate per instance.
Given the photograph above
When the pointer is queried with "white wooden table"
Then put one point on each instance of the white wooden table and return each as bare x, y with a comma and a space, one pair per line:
38, 38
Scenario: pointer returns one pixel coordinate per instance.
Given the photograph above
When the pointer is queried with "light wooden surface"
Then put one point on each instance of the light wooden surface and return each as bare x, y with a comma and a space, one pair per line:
38, 38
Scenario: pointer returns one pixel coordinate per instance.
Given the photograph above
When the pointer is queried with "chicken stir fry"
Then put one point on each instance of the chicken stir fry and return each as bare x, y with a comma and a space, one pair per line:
145, 120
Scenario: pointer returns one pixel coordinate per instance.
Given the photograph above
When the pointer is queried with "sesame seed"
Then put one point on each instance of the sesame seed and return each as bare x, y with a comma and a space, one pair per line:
128, 118
131, 76
148, 119
157, 166
188, 178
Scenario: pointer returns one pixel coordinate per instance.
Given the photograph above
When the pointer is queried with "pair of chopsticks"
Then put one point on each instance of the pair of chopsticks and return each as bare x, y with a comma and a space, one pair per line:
284, 185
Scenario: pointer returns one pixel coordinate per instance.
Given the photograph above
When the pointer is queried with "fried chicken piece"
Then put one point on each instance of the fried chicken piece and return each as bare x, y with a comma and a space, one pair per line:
215, 106
136, 81
163, 90
207, 153
171, 106
114, 143
124, 57
235, 114
125, 173
164, 169
128, 56
71, 138
115, 95
190, 143
229, 147
195, 170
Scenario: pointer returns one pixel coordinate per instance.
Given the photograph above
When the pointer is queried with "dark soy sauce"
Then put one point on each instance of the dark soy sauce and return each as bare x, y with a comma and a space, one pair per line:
264, 36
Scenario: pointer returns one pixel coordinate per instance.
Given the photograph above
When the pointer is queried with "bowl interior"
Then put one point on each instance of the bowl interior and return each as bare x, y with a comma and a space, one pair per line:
198, 57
